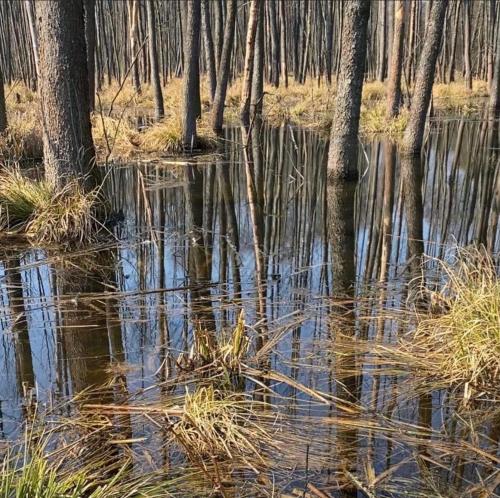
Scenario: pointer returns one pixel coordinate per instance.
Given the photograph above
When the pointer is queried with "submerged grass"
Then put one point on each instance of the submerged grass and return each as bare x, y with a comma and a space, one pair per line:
34, 208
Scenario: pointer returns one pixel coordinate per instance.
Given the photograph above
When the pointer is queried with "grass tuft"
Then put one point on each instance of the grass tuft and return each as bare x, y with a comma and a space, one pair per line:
462, 336
32, 207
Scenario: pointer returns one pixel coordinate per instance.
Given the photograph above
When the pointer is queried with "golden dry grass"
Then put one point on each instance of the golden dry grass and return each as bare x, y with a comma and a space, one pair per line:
33, 208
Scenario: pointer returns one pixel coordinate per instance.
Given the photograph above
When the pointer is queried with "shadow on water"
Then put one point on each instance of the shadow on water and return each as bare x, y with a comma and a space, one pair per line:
259, 228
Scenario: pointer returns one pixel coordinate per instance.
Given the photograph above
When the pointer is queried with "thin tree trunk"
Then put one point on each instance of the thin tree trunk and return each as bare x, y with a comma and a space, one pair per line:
396, 69
225, 63
343, 151
283, 32
414, 134
467, 44
249, 61
191, 84
257, 93
451, 64
34, 39
382, 40
275, 61
67, 140
153, 57
3, 111
133, 14
209, 49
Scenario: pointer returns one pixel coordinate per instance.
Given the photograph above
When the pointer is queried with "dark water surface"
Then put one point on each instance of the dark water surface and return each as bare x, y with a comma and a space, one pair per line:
185, 253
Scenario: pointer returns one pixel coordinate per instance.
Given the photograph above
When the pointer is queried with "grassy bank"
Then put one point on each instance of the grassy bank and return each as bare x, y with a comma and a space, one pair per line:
307, 105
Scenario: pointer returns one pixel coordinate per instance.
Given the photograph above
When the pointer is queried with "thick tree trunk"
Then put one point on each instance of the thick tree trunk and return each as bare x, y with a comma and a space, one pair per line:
343, 151
249, 61
225, 64
90, 39
191, 84
64, 91
3, 110
396, 69
494, 103
414, 134
153, 58
209, 49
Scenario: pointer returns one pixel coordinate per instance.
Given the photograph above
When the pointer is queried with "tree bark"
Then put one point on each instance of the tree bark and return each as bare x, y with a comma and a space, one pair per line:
225, 64
191, 84
153, 57
249, 61
494, 103
414, 134
382, 39
257, 93
64, 91
396, 69
90, 39
343, 151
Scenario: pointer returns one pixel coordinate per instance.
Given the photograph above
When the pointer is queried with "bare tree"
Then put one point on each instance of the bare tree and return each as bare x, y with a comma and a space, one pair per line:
133, 14
191, 85
225, 63
249, 61
153, 58
343, 151
396, 69
64, 92
209, 49
414, 134
3, 110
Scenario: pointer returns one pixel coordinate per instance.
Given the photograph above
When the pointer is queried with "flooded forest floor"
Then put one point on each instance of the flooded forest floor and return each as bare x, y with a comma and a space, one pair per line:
247, 329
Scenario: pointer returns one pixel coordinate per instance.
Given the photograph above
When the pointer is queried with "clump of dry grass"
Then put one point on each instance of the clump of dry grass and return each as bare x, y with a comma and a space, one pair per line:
455, 96
374, 120
34, 208
215, 423
23, 137
373, 91
462, 336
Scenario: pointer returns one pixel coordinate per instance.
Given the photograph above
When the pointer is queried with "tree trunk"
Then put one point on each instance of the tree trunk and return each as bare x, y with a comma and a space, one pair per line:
64, 91
275, 62
209, 49
191, 84
283, 31
257, 93
343, 151
153, 57
382, 40
414, 134
494, 103
249, 60
34, 39
396, 69
3, 111
90, 39
133, 14
451, 64
467, 43
225, 63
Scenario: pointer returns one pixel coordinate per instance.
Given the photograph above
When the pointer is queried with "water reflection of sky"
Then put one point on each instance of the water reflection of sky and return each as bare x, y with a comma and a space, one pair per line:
299, 274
